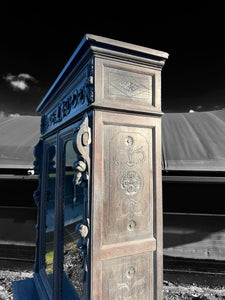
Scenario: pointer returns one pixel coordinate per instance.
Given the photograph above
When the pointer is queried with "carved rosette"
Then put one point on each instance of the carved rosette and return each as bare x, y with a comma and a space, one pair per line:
131, 182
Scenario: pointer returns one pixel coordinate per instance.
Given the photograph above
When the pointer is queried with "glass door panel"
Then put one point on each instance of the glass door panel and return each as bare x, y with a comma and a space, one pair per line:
73, 215
50, 212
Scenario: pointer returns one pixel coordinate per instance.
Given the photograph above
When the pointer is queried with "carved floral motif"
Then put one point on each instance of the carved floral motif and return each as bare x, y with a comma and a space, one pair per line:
81, 96
132, 287
130, 182
128, 86
123, 83
129, 155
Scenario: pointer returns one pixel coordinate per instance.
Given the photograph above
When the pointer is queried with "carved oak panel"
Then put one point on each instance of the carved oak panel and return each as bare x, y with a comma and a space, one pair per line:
128, 278
128, 184
127, 84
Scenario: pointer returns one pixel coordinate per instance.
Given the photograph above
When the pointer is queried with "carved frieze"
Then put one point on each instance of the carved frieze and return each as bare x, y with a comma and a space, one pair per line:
80, 96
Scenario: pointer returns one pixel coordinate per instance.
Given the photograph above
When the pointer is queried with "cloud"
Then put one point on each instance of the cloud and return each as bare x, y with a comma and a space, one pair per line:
14, 115
5, 115
20, 82
19, 85
25, 76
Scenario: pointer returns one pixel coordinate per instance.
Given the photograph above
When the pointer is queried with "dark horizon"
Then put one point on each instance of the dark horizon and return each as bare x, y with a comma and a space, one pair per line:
36, 44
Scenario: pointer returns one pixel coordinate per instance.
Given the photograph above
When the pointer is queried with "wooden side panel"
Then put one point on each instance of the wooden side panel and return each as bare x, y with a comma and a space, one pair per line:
125, 85
128, 194
126, 207
128, 278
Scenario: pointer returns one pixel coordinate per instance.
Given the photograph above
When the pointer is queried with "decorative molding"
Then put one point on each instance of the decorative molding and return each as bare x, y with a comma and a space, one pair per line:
81, 166
81, 142
38, 154
80, 96
51, 152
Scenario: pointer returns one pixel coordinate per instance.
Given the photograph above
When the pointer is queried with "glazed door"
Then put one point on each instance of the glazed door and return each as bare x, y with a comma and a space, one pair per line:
126, 207
47, 227
73, 212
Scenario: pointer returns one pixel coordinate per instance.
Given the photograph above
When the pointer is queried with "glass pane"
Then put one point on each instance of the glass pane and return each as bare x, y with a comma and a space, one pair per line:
50, 211
73, 214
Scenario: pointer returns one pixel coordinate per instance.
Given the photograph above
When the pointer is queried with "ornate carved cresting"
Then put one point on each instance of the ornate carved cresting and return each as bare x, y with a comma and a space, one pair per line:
81, 142
38, 154
82, 95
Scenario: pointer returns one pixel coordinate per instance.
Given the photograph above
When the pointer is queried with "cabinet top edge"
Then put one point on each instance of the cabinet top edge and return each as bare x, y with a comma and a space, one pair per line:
86, 48
126, 46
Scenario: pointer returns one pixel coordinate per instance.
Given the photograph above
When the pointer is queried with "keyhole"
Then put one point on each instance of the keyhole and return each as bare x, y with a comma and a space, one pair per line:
131, 225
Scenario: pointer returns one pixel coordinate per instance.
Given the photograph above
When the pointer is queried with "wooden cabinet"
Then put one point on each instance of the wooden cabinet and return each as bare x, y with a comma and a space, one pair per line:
99, 161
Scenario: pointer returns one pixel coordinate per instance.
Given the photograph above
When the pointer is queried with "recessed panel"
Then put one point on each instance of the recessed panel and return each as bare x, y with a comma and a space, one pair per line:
127, 85
128, 192
129, 277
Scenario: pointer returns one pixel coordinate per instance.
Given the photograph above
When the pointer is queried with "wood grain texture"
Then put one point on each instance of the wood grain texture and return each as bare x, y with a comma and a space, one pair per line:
126, 206
124, 86
128, 278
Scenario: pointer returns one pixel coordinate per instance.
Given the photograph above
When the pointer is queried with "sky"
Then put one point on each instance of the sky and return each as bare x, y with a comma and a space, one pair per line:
37, 41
